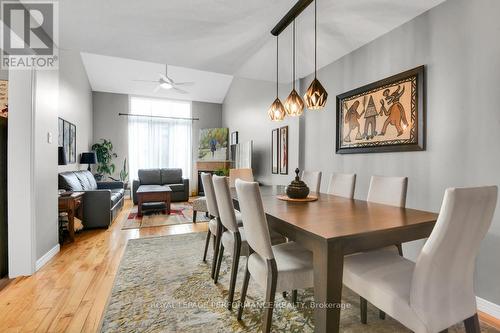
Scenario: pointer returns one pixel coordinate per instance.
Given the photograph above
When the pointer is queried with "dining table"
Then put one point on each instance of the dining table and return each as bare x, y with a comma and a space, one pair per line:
333, 227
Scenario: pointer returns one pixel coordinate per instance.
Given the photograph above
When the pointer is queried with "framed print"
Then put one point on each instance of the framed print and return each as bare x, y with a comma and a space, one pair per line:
60, 140
283, 150
384, 116
67, 139
275, 148
72, 143
234, 138
4, 98
213, 144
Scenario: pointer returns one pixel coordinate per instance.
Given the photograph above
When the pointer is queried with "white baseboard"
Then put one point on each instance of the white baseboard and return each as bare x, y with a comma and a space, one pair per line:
488, 307
46, 257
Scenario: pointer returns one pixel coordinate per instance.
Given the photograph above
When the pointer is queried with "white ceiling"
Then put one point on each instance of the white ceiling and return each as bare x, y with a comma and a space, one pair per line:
227, 36
117, 75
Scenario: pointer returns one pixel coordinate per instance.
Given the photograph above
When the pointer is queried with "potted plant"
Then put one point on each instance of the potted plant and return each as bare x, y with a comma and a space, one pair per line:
124, 174
105, 155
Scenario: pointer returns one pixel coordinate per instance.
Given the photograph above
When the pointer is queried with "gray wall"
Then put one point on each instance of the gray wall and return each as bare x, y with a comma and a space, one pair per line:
210, 115
75, 102
457, 41
245, 110
108, 125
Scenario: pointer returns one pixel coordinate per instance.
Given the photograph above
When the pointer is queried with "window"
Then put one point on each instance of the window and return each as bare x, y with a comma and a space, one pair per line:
156, 142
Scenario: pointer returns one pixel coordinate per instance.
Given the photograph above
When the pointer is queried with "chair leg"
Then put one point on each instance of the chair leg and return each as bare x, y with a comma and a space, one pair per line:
216, 253
272, 279
206, 246
206, 214
294, 297
363, 306
472, 324
219, 262
244, 289
381, 314
234, 270
194, 216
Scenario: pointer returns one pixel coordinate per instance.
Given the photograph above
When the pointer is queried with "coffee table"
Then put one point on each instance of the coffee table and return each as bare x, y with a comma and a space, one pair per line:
153, 193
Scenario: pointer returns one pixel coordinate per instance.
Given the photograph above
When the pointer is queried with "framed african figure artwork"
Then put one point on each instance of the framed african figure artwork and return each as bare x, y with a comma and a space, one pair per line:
384, 116
283, 150
275, 148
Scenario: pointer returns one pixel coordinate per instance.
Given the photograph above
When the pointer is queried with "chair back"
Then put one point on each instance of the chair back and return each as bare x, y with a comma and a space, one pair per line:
254, 218
342, 184
208, 188
312, 180
225, 203
442, 290
245, 174
388, 190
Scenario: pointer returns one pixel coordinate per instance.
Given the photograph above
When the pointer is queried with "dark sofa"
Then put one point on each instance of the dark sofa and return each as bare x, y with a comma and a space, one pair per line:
170, 177
102, 200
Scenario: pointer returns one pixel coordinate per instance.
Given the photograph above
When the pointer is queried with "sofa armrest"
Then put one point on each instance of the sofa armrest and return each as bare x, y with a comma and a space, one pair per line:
97, 209
135, 187
186, 188
110, 185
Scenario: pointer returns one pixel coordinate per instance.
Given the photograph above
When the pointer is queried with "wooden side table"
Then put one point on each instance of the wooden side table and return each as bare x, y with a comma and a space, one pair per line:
71, 204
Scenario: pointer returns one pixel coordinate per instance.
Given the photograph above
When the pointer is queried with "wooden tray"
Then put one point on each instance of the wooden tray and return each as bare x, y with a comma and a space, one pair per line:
287, 198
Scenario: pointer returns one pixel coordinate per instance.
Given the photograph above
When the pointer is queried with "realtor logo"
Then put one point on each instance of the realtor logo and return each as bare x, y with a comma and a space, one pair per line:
29, 35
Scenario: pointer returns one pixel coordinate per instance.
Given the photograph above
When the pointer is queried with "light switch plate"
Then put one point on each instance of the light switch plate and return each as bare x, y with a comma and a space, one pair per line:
49, 137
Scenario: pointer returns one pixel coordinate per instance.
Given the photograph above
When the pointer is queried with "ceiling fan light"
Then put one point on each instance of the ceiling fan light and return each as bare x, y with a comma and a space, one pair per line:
294, 105
315, 96
276, 111
166, 85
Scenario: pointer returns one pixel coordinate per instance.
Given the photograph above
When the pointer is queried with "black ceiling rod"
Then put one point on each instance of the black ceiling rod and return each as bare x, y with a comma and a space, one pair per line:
290, 16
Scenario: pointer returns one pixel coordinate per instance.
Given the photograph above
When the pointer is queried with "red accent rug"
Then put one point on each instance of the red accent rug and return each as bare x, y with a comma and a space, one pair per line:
180, 213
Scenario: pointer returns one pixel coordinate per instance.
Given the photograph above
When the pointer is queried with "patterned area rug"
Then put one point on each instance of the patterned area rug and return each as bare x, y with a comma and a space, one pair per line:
163, 286
180, 213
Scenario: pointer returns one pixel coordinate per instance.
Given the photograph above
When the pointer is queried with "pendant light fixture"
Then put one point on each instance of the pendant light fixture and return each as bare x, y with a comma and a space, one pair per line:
276, 110
294, 105
315, 96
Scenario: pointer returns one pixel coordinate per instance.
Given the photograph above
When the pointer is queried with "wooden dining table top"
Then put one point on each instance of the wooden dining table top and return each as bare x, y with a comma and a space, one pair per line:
332, 217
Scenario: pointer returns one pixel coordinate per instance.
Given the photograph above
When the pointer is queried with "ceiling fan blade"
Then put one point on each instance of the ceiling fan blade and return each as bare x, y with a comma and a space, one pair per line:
180, 91
157, 89
145, 81
184, 83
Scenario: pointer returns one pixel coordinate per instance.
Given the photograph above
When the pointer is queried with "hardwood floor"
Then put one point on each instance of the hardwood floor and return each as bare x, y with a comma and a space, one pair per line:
69, 294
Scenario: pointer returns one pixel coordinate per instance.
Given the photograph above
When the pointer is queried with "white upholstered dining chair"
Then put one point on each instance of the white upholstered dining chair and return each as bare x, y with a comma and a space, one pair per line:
312, 179
233, 236
342, 184
281, 267
213, 224
387, 191
437, 291
241, 173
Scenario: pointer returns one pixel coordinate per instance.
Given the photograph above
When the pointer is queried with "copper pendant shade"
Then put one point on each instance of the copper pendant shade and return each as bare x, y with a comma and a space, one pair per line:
316, 95
277, 111
294, 105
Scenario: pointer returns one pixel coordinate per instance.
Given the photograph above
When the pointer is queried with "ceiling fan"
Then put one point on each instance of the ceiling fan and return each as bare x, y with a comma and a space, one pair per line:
167, 83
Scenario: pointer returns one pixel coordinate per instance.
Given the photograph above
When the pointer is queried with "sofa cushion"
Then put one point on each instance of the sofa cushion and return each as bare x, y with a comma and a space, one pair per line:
86, 179
177, 187
115, 197
118, 190
171, 176
149, 176
69, 181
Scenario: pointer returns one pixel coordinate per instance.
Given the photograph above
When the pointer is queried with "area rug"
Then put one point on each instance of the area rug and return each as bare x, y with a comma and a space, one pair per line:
180, 213
162, 285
